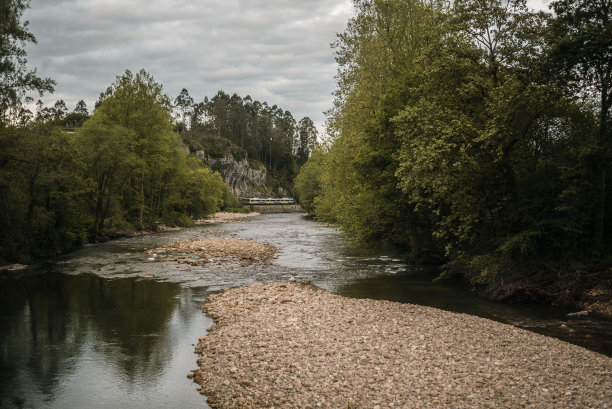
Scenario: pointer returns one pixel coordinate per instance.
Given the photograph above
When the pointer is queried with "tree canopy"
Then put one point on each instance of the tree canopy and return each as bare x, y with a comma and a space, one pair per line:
124, 168
466, 132
16, 80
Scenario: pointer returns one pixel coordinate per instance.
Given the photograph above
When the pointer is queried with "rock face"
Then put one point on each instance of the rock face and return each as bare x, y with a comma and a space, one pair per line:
243, 180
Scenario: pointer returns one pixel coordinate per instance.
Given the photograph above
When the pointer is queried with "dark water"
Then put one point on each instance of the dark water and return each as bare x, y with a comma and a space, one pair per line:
88, 330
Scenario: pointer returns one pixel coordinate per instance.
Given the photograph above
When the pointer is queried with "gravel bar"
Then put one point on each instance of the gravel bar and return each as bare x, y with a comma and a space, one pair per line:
293, 345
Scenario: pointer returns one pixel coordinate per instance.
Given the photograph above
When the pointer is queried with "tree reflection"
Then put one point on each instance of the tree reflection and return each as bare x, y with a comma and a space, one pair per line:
48, 321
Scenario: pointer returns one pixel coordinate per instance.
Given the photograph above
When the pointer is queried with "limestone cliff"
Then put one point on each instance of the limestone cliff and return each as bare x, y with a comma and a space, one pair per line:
242, 179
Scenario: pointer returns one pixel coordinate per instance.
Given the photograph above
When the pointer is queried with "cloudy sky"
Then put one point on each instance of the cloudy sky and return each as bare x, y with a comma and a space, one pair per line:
274, 50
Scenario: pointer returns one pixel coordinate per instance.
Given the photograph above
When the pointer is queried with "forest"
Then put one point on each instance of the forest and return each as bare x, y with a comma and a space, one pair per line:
70, 177
267, 136
123, 169
476, 136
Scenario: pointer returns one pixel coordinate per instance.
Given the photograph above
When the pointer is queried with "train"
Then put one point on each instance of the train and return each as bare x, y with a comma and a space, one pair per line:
255, 201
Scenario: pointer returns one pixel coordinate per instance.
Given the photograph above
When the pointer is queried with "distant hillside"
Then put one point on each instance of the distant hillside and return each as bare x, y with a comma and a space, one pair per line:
257, 148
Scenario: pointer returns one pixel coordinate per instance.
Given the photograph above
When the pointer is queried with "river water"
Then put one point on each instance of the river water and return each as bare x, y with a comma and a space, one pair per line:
89, 330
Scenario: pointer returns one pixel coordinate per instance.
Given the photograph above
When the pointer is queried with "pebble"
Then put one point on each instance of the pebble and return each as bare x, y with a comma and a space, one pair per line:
323, 350
220, 250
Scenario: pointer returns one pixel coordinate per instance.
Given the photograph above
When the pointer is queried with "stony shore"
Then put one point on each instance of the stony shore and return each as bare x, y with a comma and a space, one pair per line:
215, 250
227, 217
293, 345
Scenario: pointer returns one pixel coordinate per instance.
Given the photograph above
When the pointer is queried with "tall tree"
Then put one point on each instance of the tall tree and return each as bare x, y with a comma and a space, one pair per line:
16, 80
184, 103
81, 108
59, 109
580, 39
307, 139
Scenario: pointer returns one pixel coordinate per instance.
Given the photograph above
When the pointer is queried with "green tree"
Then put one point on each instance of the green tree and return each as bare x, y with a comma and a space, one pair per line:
308, 181
580, 40
137, 164
59, 110
109, 153
42, 193
377, 56
204, 191
455, 137
15, 78
183, 102
307, 139
81, 108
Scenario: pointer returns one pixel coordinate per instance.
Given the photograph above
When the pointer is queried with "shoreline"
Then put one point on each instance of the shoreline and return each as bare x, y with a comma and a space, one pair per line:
217, 217
295, 345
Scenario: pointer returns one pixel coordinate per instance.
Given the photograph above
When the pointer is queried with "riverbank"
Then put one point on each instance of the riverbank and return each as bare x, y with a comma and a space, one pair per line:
266, 209
227, 217
297, 346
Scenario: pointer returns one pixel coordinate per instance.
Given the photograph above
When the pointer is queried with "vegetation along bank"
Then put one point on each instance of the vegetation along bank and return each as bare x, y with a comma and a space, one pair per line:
140, 161
476, 135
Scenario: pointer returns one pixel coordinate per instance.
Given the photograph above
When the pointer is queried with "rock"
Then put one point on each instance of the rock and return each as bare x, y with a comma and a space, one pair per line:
239, 176
15, 267
578, 314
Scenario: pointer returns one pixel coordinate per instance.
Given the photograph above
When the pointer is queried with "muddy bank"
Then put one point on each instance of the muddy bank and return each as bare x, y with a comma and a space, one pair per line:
289, 345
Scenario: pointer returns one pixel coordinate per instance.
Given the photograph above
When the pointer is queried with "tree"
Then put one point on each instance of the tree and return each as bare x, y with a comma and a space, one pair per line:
453, 137
377, 56
580, 41
183, 102
15, 78
307, 139
81, 108
108, 151
42, 192
59, 110
308, 181
77, 117
143, 180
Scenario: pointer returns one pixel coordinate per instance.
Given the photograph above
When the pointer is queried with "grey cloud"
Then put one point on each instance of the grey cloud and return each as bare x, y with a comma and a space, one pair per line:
273, 50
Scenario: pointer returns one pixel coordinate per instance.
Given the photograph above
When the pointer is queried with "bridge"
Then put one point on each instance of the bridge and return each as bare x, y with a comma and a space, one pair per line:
272, 205
259, 201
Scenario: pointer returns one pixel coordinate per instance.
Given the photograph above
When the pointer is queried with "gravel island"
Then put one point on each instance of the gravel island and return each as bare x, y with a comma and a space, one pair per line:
293, 345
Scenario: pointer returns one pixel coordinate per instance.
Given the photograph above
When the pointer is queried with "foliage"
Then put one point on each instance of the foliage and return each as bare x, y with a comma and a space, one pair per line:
43, 192
123, 169
245, 129
308, 181
459, 134
139, 161
15, 78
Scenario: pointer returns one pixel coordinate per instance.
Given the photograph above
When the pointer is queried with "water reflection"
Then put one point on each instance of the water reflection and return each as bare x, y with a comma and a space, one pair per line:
417, 287
63, 335
86, 330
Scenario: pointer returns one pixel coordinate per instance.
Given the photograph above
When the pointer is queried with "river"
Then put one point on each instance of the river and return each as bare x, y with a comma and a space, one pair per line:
88, 330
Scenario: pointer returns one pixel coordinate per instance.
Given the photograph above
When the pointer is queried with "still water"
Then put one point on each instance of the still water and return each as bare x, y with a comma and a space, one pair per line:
88, 330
